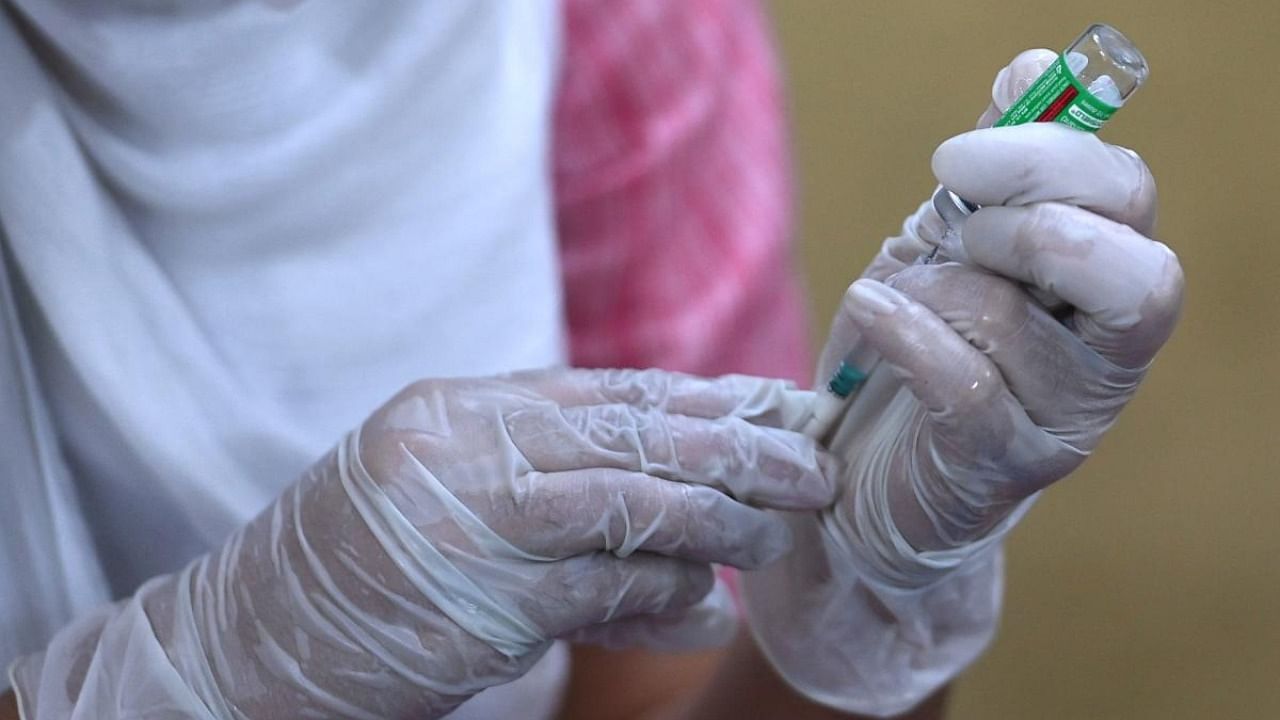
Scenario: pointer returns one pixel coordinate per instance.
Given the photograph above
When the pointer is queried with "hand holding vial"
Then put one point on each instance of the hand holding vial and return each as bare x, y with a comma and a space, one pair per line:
982, 397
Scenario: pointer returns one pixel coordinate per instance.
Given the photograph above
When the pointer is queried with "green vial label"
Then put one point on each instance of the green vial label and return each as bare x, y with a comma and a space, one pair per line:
1057, 96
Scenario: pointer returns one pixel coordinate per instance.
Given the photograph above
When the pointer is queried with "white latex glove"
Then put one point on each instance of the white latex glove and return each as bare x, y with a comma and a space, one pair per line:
440, 547
982, 398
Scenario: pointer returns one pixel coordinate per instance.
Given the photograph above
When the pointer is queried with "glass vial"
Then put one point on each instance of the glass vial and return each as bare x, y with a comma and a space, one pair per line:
1083, 88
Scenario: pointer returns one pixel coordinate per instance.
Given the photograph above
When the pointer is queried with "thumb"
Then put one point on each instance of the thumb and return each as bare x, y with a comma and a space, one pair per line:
1013, 80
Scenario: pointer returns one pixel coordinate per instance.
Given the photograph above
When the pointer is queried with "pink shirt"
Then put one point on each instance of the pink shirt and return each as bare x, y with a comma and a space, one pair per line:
673, 190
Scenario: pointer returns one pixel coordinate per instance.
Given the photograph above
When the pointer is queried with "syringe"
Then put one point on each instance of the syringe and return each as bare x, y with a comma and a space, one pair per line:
848, 378
1082, 89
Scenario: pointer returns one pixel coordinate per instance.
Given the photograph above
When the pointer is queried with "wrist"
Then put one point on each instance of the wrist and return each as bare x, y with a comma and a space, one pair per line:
857, 618
318, 626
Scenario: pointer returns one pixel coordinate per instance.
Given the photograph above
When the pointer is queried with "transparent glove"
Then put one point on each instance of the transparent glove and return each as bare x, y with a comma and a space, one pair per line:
441, 546
983, 397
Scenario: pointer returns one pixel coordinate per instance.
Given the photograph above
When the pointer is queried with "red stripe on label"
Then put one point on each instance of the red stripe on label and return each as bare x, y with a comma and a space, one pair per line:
1053, 111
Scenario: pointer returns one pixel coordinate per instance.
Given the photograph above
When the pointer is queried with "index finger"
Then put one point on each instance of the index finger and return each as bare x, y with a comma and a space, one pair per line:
1013, 80
761, 401
1048, 162
1126, 288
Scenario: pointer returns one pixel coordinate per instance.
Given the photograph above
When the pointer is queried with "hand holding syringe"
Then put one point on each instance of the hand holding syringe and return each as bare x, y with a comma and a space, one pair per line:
1082, 88
983, 396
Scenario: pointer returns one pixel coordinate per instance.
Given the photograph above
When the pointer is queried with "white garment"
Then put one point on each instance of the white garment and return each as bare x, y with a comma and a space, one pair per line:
234, 231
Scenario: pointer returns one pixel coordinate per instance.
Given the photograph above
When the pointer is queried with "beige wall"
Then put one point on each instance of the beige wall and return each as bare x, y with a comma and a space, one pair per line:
1148, 585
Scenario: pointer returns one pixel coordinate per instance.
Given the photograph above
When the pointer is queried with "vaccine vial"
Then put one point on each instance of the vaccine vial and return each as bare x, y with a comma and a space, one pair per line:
1086, 85
1083, 88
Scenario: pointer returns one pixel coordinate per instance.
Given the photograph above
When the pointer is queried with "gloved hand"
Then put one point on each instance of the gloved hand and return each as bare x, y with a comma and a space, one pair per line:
982, 398
441, 546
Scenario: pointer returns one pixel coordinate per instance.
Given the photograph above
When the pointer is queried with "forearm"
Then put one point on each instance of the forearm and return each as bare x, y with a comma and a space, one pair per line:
189, 641
746, 686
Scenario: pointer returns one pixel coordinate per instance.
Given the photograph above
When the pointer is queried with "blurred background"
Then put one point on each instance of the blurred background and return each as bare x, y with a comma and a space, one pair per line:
1147, 585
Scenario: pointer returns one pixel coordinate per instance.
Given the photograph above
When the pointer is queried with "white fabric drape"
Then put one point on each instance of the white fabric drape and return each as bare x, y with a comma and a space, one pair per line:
230, 232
